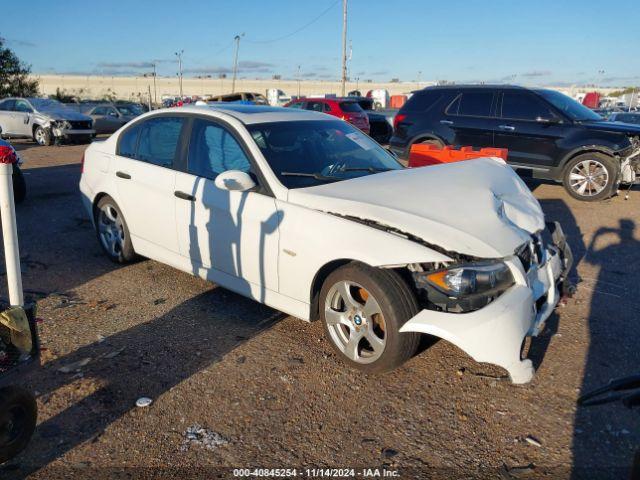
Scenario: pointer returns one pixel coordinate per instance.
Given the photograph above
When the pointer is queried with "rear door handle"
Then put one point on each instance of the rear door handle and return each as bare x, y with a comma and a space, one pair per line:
184, 196
126, 176
510, 128
446, 122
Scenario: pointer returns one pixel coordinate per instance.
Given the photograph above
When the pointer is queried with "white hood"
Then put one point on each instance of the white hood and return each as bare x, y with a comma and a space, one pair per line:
477, 207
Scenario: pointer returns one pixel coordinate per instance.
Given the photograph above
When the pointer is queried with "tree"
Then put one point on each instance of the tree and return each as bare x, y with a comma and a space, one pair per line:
14, 75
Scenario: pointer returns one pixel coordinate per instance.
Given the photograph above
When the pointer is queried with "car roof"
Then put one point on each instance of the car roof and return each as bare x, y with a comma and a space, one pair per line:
473, 86
254, 114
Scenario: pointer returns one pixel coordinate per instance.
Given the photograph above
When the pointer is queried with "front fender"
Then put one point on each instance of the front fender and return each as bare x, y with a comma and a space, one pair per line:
310, 239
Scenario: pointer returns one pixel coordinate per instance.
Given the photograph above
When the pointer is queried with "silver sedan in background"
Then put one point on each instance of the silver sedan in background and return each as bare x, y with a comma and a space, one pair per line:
45, 120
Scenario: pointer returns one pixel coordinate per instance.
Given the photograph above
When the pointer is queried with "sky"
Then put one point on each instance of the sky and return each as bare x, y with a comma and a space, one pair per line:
541, 42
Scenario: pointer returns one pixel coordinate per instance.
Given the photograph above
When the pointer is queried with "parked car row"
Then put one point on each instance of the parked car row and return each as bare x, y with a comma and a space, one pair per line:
548, 135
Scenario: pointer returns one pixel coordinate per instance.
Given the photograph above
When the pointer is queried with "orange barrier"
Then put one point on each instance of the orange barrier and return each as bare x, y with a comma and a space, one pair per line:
426, 154
397, 101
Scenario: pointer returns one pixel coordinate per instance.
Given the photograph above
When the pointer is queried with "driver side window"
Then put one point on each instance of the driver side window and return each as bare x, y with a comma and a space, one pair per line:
213, 150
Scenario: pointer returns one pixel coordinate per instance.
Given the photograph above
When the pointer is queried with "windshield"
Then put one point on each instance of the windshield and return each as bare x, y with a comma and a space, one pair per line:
309, 153
46, 104
127, 110
130, 109
568, 106
351, 107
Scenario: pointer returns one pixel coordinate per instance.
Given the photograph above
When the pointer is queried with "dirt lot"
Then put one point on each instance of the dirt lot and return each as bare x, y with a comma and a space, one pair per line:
273, 389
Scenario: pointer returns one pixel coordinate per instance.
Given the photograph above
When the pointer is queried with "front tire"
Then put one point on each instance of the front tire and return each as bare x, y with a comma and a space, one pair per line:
42, 136
362, 311
112, 231
18, 417
591, 177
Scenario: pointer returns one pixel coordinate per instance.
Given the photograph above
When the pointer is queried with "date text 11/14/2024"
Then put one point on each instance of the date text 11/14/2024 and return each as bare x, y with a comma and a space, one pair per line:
315, 473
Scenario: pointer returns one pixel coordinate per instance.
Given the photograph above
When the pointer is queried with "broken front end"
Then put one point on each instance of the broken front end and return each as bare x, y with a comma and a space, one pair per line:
488, 307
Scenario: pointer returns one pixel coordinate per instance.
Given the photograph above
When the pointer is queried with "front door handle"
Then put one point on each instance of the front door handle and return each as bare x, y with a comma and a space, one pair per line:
184, 196
126, 176
509, 128
446, 122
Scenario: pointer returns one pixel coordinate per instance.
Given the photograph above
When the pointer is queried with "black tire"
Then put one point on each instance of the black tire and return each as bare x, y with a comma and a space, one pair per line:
18, 417
42, 136
124, 252
19, 185
600, 161
397, 303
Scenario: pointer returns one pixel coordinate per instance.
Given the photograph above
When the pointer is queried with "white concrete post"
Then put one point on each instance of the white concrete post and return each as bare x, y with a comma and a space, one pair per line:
10, 235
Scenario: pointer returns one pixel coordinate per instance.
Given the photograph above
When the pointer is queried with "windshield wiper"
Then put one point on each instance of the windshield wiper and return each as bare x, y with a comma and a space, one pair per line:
315, 176
364, 169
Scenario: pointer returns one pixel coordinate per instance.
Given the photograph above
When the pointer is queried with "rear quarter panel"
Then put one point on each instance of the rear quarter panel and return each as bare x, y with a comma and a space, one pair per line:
96, 175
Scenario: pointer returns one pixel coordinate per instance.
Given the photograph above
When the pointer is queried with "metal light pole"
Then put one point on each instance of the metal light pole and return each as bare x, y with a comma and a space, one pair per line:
419, 75
235, 62
155, 93
344, 47
298, 81
179, 55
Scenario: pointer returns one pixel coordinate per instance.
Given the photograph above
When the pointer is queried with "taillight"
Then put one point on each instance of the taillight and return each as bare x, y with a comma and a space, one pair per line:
398, 118
82, 163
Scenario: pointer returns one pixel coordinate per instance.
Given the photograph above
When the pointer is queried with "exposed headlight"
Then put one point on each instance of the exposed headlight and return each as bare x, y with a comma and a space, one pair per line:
467, 280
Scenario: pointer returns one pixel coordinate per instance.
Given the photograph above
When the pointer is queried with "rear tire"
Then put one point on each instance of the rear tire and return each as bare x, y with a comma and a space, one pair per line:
591, 177
364, 328
112, 231
18, 417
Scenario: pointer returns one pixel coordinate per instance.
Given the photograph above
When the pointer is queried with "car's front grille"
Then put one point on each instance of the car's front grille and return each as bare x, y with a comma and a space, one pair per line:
81, 124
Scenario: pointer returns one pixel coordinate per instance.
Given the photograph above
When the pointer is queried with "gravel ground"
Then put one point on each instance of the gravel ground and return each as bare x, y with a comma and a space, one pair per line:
236, 384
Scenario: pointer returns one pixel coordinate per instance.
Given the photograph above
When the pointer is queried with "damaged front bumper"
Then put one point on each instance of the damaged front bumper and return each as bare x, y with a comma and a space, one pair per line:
495, 334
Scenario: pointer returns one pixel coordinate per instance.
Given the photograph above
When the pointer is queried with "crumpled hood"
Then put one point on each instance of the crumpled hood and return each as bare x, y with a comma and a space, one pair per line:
478, 207
64, 113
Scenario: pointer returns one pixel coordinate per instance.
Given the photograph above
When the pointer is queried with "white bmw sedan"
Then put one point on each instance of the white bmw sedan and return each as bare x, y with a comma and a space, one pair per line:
303, 212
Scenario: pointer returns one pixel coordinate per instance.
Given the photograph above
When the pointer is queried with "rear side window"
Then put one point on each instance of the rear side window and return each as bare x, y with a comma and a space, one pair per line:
524, 106
7, 105
128, 141
472, 104
213, 150
351, 107
422, 101
158, 140
297, 105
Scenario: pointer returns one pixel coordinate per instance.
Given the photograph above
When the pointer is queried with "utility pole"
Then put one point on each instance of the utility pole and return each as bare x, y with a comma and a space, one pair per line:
298, 81
179, 55
344, 47
235, 63
155, 92
419, 75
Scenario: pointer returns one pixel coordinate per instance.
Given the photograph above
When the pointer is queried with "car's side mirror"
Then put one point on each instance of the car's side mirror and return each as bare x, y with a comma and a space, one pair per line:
234, 181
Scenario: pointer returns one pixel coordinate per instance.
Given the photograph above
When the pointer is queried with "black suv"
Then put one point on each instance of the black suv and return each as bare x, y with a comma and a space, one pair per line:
548, 134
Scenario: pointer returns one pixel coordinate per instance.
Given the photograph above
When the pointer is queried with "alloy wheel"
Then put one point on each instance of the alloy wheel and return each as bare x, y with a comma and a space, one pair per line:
40, 136
110, 229
588, 178
355, 322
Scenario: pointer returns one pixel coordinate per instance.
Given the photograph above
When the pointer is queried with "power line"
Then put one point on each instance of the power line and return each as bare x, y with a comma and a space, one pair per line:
324, 12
